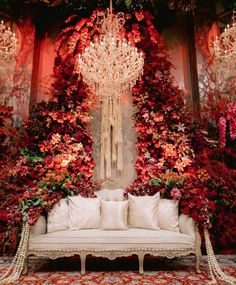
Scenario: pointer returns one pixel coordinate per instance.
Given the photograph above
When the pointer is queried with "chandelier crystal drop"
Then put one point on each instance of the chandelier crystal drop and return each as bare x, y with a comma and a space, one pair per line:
225, 45
8, 42
110, 65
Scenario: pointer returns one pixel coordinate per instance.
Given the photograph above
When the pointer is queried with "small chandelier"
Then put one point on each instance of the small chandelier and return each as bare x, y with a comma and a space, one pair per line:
8, 42
225, 45
110, 65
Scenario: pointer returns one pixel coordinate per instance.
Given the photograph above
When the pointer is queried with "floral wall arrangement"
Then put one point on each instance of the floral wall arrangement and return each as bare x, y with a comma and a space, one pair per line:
218, 127
55, 157
55, 154
169, 144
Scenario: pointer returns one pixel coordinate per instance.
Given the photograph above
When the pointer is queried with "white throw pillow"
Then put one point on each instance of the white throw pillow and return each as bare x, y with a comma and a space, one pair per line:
114, 215
143, 211
168, 214
58, 217
84, 213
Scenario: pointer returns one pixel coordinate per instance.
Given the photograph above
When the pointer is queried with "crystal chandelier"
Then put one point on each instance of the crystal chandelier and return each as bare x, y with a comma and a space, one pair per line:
225, 45
110, 65
8, 42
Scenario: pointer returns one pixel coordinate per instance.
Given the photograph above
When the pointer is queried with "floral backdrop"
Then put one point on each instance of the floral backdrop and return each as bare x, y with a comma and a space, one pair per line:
53, 157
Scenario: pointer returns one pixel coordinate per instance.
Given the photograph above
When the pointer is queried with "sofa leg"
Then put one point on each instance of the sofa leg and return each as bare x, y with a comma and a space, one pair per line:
25, 267
140, 259
83, 263
198, 254
198, 258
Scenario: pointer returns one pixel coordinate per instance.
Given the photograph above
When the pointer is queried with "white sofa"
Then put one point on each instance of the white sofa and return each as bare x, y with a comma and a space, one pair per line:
115, 243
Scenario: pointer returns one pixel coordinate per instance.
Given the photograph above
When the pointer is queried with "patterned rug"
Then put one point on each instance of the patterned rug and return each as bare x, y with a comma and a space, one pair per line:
119, 272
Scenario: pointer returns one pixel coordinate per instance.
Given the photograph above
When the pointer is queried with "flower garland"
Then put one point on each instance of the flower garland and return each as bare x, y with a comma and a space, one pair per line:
230, 117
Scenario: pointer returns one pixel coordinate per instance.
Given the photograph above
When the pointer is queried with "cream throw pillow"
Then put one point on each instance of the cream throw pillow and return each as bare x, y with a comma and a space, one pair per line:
114, 215
84, 213
58, 217
143, 211
168, 214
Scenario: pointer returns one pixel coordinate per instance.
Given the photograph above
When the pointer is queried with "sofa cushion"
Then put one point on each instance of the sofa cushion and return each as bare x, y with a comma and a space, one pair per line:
168, 214
187, 225
143, 211
58, 217
84, 213
40, 227
114, 215
111, 240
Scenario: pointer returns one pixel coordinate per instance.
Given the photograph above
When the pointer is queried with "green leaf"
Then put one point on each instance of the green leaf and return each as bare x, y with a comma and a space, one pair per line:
24, 208
78, 175
25, 217
37, 202
24, 151
42, 184
156, 181
54, 187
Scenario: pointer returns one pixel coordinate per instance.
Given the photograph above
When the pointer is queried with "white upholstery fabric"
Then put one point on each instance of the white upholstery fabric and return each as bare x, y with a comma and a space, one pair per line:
110, 194
109, 239
168, 214
186, 225
40, 226
143, 211
114, 215
84, 213
58, 217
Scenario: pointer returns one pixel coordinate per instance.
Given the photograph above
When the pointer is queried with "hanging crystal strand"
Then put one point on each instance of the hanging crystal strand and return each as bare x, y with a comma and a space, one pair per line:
114, 130
108, 140
119, 137
15, 269
102, 142
214, 268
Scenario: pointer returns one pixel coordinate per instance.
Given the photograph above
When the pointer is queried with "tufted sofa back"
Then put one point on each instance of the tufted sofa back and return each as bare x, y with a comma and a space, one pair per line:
111, 194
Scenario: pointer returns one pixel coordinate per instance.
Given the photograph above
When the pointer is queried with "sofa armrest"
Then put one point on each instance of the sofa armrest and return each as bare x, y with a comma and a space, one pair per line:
187, 225
40, 227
